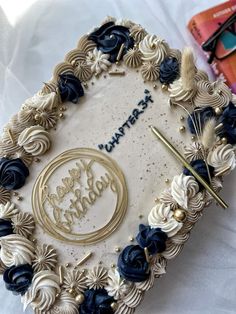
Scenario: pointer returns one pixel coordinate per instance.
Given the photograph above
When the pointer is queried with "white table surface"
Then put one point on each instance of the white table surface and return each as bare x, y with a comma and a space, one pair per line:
202, 279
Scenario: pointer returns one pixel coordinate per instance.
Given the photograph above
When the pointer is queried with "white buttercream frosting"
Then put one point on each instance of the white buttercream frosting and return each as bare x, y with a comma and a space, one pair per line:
183, 188
161, 216
16, 250
117, 287
98, 61
43, 101
133, 298
8, 210
65, 304
222, 158
178, 93
153, 48
35, 140
42, 292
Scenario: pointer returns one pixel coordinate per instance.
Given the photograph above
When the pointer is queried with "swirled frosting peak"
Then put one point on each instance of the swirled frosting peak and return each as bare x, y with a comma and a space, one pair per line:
215, 94
35, 140
161, 216
222, 158
16, 250
44, 102
42, 292
183, 188
153, 48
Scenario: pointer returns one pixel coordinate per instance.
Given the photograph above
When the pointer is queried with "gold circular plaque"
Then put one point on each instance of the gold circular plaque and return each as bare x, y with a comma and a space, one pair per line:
70, 186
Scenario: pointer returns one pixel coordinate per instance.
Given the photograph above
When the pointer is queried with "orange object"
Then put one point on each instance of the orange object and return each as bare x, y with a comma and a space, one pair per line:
215, 31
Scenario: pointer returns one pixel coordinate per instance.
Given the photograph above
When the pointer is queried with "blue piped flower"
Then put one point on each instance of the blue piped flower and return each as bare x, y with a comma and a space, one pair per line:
153, 239
228, 118
132, 264
199, 165
5, 227
13, 173
199, 117
70, 88
169, 70
109, 38
96, 302
18, 278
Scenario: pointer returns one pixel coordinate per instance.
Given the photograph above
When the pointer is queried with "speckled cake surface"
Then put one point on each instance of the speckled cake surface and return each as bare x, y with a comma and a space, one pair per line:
92, 204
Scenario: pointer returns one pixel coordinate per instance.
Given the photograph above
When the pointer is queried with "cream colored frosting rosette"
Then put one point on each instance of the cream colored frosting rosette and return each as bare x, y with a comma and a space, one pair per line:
35, 140
222, 158
153, 48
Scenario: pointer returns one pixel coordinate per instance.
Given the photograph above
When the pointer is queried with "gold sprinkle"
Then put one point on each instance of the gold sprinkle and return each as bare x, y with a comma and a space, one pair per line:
156, 200
120, 52
182, 128
15, 193
19, 198
131, 239
218, 127
117, 249
147, 254
84, 259
116, 73
164, 87
10, 135
193, 138
61, 115
60, 274
114, 306
67, 265
36, 159
113, 265
155, 86
34, 240
167, 180
224, 140
182, 118
140, 216
222, 172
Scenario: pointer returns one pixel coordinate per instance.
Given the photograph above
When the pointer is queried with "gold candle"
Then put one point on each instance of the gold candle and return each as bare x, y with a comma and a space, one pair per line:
188, 166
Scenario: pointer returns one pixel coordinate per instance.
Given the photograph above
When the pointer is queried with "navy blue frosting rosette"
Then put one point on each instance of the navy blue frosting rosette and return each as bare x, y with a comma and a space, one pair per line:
13, 173
18, 278
96, 301
228, 119
132, 264
152, 239
169, 70
109, 38
5, 227
70, 88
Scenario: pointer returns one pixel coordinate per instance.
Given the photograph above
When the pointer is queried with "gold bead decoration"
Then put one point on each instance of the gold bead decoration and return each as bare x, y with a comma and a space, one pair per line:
218, 111
61, 115
117, 249
180, 214
167, 180
164, 87
36, 159
182, 118
193, 138
15, 193
113, 265
182, 129
36, 117
79, 298
156, 200
67, 265
114, 306
19, 198
224, 140
155, 86
131, 239
71, 291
